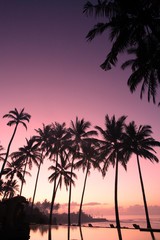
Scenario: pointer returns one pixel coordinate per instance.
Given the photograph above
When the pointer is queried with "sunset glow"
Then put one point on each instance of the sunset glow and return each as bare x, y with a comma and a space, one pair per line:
48, 67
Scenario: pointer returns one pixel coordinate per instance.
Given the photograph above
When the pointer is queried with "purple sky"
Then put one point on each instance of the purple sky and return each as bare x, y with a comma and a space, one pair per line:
48, 67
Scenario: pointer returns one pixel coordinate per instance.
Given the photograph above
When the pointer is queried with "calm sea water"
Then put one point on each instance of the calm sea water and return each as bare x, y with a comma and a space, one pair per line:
100, 232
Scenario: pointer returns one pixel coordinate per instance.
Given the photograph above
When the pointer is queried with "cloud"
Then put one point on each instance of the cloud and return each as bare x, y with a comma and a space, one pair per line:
75, 204
93, 204
139, 210
103, 209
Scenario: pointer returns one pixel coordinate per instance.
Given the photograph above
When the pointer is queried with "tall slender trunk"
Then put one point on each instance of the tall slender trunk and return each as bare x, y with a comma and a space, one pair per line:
116, 202
143, 193
35, 188
53, 199
53, 195
24, 171
9, 145
84, 186
69, 199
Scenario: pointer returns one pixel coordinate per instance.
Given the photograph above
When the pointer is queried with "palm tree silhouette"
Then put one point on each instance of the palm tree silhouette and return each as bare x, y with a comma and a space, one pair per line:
61, 173
11, 188
145, 67
141, 143
16, 118
13, 169
111, 151
43, 141
26, 155
128, 23
58, 144
88, 158
79, 134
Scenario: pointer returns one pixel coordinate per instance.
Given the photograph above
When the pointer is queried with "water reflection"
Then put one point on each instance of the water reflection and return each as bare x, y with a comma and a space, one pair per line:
43, 232
81, 233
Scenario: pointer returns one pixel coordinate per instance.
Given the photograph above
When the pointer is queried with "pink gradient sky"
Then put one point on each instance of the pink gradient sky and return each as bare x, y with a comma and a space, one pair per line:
48, 67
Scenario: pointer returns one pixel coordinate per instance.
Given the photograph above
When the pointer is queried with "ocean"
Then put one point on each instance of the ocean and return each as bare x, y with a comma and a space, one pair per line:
99, 231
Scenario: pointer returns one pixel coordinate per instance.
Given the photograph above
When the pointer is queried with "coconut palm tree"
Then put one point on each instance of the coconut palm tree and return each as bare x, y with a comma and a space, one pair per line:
59, 143
88, 158
13, 169
145, 67
128, 23
43, 141
16, 119
11, 188
140, 143
79, 133
62, 174
111, 148
27, 155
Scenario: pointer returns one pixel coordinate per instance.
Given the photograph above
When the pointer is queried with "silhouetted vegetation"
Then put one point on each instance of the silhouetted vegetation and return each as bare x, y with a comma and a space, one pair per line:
133, 28
70, 149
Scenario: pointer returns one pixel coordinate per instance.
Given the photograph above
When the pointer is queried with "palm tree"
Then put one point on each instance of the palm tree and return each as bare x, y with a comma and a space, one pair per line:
111, 148
88, 158
61, 171
13, 169
42, 140
79, 133
16, 118
59, 143
145, 67
11, 188
26, 155
129, 23
142, 144
62, 174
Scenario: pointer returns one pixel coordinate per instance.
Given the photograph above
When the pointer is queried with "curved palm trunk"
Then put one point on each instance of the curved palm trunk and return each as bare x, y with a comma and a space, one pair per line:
52, 203
116, 202
9, 145
69, 200
84, 186
143, 193
24, 171
35, 188
53, 196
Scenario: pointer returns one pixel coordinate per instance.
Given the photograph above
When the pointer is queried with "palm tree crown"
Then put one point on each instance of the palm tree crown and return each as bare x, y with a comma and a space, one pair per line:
113, 142
27, 155
140, 142
16, 118
130, 24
